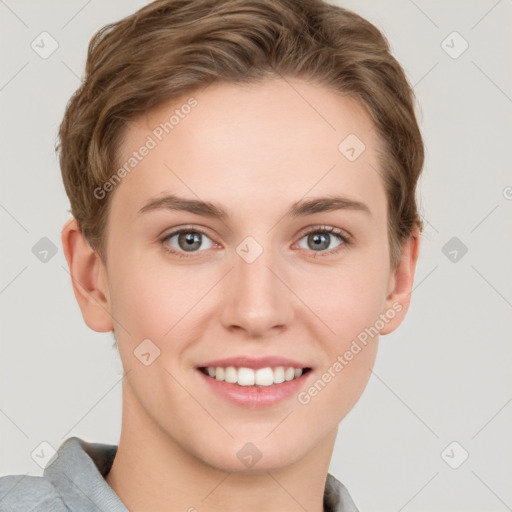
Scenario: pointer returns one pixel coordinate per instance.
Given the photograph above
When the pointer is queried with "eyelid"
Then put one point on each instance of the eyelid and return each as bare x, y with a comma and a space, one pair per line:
186, 227
327, 228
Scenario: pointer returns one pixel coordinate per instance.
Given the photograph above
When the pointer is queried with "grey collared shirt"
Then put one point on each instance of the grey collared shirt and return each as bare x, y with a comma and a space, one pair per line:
75, 481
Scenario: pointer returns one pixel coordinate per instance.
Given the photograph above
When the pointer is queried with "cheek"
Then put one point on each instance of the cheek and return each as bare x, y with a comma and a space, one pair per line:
350, 305
350, 308
163, 304
348, 299
143, 300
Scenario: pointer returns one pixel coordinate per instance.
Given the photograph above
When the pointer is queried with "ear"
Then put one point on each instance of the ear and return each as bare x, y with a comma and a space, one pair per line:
89, 278
401, 282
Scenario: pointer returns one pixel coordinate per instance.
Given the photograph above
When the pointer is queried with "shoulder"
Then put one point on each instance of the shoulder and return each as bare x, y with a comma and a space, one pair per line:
29, 493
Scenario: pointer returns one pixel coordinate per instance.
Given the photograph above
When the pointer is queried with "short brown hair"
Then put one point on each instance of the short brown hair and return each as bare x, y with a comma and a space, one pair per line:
172, 47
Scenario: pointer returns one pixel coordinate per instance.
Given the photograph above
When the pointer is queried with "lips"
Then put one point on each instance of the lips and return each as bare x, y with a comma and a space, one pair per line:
254, 362
254, 382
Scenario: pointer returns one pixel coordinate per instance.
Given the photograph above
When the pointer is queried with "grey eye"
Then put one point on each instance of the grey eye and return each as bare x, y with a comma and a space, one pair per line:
320, 240
188, 241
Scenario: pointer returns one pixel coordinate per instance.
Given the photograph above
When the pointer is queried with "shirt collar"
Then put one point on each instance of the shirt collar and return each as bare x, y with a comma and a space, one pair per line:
79, 473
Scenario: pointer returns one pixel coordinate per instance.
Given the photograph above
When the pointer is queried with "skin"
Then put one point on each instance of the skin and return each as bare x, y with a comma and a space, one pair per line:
255, 150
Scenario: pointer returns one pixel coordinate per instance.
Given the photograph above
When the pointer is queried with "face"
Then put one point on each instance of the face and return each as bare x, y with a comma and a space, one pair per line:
271, 283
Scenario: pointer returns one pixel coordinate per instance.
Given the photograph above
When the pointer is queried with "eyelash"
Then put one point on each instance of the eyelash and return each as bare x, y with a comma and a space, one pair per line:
342, 235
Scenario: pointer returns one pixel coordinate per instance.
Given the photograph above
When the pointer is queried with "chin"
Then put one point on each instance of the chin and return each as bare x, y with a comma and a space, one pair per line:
257, 456
262, 466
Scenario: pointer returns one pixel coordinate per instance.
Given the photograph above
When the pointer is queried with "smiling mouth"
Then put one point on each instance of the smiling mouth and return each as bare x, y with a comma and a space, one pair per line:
261, 377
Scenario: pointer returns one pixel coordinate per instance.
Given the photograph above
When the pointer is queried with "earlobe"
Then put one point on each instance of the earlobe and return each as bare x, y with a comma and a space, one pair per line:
401, 283
88, 278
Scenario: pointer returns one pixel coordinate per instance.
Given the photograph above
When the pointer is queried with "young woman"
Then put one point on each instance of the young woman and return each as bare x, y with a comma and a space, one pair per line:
242, 181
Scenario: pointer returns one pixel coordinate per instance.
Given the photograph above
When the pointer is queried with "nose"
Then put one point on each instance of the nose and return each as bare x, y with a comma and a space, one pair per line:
256, 299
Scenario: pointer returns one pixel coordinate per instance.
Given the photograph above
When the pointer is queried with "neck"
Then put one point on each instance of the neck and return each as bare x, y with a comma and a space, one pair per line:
152, 472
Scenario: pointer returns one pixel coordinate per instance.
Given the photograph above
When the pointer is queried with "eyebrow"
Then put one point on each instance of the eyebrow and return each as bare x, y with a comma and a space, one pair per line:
300, 208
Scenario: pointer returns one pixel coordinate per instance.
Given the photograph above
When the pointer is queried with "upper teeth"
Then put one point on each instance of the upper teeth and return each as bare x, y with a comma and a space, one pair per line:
249, 377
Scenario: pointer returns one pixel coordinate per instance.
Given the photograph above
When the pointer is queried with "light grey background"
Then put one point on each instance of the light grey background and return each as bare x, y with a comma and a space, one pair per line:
444, 376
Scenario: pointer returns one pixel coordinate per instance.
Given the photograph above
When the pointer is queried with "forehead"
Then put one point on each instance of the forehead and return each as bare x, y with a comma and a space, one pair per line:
271, 139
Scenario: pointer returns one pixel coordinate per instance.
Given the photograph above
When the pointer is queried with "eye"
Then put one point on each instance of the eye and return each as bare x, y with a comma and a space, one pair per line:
186, 240
319, 240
